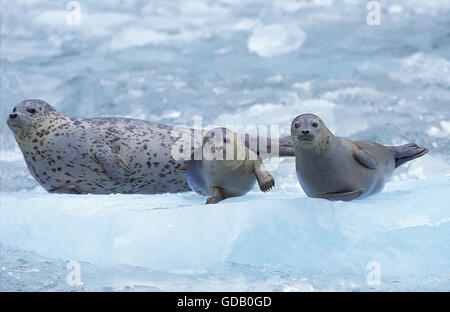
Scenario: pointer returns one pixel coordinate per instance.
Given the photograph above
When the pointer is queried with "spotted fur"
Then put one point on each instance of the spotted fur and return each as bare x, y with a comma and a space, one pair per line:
68, 155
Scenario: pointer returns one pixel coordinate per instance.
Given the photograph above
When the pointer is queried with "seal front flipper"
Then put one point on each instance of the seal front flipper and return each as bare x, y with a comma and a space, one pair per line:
114, 165
66, 189
365, 158
217, 196
265, 179
346, 196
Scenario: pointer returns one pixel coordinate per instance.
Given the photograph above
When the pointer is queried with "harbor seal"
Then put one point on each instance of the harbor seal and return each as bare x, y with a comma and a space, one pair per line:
104, 155
227, 169
340, 169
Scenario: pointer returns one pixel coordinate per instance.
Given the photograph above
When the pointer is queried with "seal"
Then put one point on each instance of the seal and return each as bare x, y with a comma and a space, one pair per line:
227, 169
104, 155
337, 168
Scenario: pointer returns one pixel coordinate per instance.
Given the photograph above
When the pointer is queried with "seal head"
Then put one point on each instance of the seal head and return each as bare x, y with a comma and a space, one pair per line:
28, 115
223, 144
310, 133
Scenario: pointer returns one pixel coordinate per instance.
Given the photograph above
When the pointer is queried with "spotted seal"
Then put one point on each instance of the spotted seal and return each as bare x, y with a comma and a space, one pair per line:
340, 169
227, 168
103, 155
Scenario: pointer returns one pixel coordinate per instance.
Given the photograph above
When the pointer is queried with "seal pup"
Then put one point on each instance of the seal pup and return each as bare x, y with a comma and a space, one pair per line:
227, 169
340, 169
104, 155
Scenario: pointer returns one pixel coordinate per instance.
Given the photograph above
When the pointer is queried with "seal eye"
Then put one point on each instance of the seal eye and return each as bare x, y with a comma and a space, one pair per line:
31, 110
315, 124
14, 110
296, 125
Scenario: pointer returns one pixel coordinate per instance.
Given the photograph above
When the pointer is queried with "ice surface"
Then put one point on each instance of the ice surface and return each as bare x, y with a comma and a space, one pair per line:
307, 242
233, 63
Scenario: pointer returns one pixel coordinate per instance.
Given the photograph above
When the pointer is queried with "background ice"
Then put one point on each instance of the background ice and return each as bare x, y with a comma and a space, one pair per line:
232, 62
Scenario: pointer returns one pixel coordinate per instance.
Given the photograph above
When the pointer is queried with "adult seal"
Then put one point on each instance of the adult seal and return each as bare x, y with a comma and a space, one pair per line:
336, 168
227, 168
104, 155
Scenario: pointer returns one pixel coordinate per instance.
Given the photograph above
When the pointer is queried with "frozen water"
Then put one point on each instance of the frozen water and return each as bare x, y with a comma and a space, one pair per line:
280, 242
232, 62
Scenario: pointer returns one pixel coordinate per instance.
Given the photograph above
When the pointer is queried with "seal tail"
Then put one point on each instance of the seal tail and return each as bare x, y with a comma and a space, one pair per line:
407, 152
287, 147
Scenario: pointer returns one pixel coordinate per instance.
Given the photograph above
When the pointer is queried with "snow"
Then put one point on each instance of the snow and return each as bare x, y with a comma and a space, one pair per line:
233, 63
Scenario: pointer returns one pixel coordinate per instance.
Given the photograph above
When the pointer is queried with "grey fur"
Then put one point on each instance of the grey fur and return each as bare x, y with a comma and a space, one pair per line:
340, 169
226, 176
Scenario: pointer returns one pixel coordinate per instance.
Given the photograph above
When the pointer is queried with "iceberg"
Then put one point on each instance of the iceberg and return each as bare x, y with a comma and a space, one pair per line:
404, 230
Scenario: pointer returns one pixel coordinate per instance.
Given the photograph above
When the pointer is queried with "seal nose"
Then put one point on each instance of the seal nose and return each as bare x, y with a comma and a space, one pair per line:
305, 131
12, 116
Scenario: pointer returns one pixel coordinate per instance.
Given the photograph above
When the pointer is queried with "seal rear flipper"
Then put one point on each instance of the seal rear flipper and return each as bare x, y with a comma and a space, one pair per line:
287, 147
365, 158
407, 152
346, 196
66, 189
114, 166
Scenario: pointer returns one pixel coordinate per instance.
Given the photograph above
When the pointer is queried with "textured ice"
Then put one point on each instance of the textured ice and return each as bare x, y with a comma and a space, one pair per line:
232, 62
258, 242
